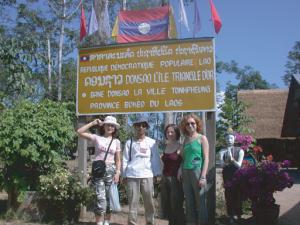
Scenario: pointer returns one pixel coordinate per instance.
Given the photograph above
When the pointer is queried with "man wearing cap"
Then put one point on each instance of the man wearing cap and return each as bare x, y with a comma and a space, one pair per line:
141, 162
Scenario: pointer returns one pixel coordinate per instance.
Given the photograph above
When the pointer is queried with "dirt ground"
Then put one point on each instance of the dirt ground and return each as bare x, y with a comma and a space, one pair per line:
288, 200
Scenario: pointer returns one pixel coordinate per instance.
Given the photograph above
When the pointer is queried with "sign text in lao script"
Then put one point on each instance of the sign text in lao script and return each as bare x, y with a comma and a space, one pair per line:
150, 77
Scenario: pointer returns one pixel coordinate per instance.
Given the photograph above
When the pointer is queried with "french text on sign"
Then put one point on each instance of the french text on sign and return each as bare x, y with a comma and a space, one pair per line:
153, 103
134, 104
173, 103
156, 91
205, 61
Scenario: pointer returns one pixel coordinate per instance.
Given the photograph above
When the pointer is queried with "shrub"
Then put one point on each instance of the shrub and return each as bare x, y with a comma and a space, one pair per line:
62, 195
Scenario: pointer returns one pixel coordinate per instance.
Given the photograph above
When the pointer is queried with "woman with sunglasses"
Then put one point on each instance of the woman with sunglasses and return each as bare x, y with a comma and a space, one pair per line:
171, 188
105, 145
141, 162
194, 169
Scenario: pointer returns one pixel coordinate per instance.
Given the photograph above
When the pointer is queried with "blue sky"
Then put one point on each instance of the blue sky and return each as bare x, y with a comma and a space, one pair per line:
258, 33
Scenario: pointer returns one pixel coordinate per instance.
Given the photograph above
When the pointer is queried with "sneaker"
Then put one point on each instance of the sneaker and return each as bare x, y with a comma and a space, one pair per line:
106, 222
100, 223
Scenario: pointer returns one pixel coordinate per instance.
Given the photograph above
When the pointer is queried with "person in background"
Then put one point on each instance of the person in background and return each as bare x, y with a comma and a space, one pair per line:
106, 139
231, 159
171, 188
195, 154
141, 162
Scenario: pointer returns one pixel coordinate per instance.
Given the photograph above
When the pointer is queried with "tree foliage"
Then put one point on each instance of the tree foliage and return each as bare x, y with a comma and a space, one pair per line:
248, 78
33, 138
15, 71
233, 111
293, 64
232, 115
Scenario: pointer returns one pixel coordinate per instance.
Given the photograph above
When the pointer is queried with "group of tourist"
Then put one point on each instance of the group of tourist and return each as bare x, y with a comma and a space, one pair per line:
182, 167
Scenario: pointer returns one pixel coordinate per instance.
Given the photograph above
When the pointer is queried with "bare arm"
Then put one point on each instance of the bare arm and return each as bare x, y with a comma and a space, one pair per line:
205, 149
82, 131
118, 166
179, 172
205, 146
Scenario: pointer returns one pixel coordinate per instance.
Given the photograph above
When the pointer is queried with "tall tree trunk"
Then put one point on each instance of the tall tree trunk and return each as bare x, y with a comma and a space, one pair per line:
49, 67
102, 35
168, 118
12, 200
60, 50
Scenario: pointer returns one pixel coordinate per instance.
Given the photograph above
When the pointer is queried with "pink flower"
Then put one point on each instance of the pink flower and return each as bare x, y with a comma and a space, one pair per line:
259, 182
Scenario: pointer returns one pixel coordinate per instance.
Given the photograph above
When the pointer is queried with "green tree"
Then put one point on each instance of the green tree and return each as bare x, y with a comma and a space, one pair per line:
232, 115
233, 111
15, 71
293, 64
248, 78
33, 137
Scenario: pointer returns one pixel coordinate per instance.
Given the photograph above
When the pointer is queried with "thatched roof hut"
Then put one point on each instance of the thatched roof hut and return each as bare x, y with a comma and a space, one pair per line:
276, 115
267, 108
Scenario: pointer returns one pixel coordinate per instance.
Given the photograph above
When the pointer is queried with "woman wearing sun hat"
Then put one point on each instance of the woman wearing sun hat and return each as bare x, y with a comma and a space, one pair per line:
107, 148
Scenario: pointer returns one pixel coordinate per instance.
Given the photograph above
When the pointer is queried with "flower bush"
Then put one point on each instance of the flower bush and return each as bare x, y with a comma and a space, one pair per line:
248, 144
259, 182
245, 141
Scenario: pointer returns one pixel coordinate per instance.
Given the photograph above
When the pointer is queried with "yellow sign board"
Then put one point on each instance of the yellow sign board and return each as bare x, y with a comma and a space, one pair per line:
147, 77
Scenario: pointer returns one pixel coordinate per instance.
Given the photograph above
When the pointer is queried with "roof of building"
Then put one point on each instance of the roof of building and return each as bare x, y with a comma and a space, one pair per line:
267, 108
297, 78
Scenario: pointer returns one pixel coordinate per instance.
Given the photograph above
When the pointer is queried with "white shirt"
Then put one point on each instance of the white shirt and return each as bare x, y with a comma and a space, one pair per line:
237, 154
101, 146
145, 161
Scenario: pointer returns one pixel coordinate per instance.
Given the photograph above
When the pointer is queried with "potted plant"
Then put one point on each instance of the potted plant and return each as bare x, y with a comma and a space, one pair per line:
258, 183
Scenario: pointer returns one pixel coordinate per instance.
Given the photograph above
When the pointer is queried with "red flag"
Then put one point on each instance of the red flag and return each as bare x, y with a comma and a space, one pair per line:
83, 31
215, 17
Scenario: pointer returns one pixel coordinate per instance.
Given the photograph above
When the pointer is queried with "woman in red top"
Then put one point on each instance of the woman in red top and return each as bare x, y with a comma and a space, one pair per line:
171, 187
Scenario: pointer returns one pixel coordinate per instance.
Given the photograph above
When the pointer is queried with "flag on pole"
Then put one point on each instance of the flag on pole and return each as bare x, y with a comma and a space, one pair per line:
83, 31
215, 17
93, 22
142, 25
172, 31
115, 29
182, 15
197, 22
104, 24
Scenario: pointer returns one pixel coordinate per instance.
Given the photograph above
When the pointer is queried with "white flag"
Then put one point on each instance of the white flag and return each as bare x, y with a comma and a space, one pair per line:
182, 15
93, 23
104, 23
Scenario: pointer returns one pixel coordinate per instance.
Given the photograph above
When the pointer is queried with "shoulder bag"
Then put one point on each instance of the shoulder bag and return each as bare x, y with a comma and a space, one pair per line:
99, 166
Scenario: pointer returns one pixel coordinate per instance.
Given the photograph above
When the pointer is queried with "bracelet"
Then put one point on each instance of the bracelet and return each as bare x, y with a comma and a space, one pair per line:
118, 171
202, 178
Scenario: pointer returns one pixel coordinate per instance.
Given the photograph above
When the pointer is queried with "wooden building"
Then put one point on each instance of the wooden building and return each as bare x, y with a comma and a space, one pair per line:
276, 114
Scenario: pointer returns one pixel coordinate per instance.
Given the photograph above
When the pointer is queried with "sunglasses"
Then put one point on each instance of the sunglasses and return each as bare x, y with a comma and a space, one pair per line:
192, 123
109, 125
144, 125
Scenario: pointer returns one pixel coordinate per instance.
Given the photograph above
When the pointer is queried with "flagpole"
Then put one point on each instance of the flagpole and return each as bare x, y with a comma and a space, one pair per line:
124, 4
180, 19
194, 30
